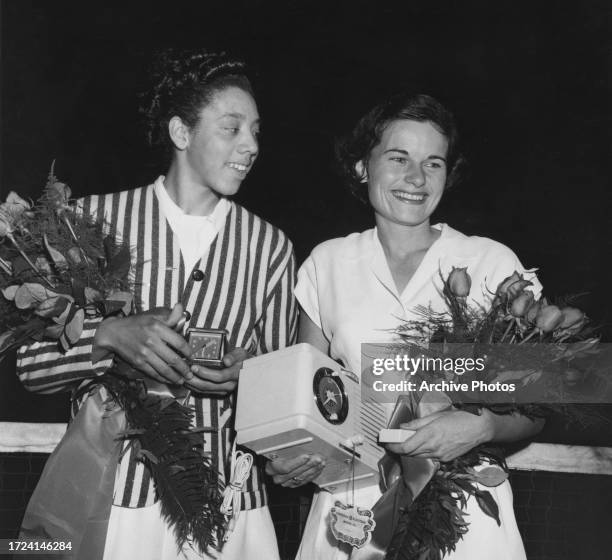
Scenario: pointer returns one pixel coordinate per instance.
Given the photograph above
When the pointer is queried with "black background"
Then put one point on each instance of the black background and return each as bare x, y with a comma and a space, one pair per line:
529, 83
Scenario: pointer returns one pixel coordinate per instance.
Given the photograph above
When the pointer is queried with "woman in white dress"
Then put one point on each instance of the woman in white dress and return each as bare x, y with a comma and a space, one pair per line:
401, 157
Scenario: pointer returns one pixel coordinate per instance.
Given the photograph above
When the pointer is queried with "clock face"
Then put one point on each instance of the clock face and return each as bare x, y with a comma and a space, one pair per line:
205, 347
330, 395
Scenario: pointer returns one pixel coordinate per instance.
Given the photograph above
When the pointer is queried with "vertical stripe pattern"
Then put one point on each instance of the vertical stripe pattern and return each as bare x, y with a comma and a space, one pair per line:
247, 289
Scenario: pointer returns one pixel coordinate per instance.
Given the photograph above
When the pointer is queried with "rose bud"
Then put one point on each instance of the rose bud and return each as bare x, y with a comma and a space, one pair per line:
549, 318
502, 289
518, 287
533, 311
572, 318
521, 304
510, 288
459, 282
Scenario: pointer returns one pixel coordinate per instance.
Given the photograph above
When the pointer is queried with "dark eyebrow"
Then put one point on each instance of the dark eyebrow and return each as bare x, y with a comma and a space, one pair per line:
239, 116
234, 115
405, 153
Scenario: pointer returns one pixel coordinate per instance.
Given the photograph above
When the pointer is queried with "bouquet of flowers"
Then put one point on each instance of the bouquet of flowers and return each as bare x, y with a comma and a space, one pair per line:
58, 268
552, 339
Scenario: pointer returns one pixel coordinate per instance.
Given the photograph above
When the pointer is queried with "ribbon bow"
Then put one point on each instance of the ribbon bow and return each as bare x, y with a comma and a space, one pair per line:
401, 482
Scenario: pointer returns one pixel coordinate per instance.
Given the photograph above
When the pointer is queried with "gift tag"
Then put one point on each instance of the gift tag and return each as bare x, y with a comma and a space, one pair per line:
351, 524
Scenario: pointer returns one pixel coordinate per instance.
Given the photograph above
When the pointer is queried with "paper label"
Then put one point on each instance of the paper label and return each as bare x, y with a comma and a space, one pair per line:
351, 524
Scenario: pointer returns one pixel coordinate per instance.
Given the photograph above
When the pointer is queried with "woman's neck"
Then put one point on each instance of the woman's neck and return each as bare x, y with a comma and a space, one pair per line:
190, 196
404, 248
400, 241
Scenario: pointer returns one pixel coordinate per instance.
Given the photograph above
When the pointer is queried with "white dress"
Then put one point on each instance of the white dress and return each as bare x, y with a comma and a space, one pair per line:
346, 288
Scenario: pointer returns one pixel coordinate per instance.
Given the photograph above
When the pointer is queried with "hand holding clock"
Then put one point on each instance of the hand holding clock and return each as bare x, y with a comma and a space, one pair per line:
218, 381
148, 343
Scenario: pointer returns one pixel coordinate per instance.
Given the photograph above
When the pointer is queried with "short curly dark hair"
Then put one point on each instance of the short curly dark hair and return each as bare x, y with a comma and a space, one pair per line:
359, 143
183, 82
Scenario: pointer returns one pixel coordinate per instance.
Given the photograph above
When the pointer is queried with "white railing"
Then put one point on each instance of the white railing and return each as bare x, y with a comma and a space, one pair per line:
22, 437
563, 458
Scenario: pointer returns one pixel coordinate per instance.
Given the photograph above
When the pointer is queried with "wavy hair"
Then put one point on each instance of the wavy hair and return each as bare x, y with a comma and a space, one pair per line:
359, 143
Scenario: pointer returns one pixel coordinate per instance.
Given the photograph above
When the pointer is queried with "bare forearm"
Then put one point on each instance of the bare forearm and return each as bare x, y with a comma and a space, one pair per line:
312, 334
510, 427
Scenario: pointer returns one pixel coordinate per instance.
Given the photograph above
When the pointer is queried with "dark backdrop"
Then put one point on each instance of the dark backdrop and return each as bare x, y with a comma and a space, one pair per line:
530, 86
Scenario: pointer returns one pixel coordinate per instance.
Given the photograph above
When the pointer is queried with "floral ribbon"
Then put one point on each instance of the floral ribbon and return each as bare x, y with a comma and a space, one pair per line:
401, 482
73, 498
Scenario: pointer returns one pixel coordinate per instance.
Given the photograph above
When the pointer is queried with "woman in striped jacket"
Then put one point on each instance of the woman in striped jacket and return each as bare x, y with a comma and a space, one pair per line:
193, 249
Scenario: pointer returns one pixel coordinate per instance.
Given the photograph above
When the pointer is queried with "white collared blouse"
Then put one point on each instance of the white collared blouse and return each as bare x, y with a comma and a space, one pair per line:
346, 288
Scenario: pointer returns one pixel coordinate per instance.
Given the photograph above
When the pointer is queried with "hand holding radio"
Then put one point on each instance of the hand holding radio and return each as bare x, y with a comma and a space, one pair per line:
297, 471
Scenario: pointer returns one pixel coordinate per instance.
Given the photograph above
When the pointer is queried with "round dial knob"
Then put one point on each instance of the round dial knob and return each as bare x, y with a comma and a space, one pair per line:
330, 395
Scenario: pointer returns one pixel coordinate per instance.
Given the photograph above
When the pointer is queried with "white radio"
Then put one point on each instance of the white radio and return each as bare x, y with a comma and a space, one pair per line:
298, 400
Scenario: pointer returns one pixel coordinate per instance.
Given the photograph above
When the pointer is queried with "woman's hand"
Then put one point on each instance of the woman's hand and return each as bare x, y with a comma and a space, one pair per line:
295, 472
449, 434
148, 343
218, 381
444, 435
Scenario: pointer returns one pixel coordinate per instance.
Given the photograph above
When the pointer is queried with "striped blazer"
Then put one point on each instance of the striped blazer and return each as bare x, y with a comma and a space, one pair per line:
244, 284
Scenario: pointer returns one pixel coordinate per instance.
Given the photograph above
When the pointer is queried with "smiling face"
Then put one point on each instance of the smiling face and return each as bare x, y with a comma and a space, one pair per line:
221, 149
406, 172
